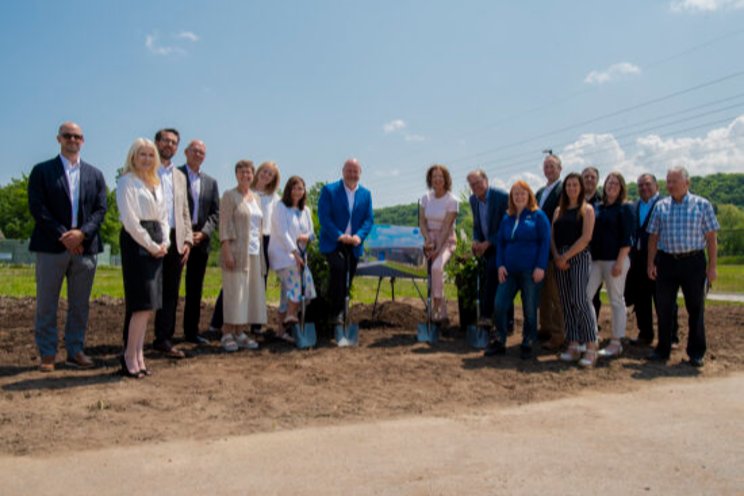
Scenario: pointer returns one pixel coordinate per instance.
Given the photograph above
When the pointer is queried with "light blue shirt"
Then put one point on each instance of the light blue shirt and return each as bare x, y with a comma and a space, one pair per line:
682, 226
166, 179
195, 179
644, 207
483, 214
72, 172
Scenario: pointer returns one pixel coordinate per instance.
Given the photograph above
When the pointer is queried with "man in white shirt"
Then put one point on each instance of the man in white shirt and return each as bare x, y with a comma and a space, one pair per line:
67, 199
179, 218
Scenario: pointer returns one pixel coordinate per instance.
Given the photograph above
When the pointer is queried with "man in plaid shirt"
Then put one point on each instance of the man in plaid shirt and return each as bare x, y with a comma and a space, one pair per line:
682, 226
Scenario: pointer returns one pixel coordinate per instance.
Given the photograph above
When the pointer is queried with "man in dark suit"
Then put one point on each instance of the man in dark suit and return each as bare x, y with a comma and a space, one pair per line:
345, 215
551, 315
67, 199
204, 206
640, 290
488, 205
176, 196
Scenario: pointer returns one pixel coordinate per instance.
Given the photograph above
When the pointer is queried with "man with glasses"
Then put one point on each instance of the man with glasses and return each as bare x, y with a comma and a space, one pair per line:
67, 199
175, 192
204, 207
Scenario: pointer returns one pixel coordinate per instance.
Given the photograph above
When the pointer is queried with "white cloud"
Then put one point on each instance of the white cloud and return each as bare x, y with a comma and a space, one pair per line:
719, 150
414, 137
187, 35
535, 181
613, 72
695, 6
153, 44
393, 126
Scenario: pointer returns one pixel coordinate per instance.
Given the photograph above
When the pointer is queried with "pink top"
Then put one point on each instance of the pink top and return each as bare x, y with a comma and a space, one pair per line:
436, 209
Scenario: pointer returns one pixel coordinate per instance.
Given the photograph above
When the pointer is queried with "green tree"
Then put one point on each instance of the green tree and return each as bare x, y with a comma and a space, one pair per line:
731, 235
15, 219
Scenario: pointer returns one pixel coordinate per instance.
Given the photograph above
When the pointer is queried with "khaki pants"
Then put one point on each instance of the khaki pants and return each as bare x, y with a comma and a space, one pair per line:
551, 314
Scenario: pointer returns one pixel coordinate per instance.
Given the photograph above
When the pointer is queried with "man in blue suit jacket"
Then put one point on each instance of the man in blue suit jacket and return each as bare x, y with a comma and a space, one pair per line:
488, 205
346, 217
67, 199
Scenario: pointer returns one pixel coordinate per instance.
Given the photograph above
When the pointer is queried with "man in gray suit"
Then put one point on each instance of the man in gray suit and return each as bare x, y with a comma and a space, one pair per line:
179, 218
67, 199
551, 315
204, 205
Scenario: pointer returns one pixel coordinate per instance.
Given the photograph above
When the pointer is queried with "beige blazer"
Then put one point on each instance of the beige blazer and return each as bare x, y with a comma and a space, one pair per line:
181, 209
235, 227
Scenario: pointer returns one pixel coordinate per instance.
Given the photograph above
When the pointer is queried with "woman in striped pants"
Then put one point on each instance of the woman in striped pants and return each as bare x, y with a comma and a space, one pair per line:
573, 224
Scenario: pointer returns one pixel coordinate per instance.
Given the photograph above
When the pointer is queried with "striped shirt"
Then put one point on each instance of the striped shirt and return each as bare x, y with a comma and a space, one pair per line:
682, 226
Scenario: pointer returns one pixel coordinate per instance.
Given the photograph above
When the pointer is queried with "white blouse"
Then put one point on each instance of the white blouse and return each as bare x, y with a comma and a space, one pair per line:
137, 202
287, 224
268, 201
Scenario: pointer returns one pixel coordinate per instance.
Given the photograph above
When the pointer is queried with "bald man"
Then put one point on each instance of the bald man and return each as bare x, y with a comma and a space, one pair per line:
345, 215
67, 199
204, 206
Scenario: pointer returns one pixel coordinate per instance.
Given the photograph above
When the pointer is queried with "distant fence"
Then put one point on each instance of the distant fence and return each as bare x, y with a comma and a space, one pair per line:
15, 251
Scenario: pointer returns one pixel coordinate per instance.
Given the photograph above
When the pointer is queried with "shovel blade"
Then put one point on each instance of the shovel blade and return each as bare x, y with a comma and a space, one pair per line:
477, 337
352, 334
427, 333
305, 337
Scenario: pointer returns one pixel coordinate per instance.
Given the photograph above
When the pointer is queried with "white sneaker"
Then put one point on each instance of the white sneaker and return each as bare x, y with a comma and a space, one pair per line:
228, 343
611, 350
343, 343
246, 343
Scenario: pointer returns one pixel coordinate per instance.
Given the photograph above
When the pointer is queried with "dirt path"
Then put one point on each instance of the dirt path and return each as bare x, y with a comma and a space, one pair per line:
673, 437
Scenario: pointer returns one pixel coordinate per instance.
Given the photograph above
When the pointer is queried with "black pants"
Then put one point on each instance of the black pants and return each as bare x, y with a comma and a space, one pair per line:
196, 267
687, 273
337, 263
643, 297
165, 318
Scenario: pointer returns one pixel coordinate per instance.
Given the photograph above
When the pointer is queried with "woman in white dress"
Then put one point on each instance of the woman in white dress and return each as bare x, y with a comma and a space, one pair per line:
243, 267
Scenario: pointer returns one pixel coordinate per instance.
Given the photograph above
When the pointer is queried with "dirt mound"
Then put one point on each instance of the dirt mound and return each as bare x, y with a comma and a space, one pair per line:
212, 394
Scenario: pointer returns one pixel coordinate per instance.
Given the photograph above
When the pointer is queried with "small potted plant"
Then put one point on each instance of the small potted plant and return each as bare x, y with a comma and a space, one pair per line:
463, 270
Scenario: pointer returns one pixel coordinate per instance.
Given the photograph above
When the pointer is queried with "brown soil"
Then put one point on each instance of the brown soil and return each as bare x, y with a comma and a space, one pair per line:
212, 394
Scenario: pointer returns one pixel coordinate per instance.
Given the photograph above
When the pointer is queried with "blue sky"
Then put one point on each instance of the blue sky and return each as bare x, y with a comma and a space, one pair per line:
398, 84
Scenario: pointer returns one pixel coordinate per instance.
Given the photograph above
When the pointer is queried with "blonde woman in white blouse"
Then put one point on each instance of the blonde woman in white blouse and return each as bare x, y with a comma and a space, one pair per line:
291, 231
243, 267
144, 242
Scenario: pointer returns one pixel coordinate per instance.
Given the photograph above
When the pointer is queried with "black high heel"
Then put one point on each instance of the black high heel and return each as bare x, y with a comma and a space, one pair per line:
125, 370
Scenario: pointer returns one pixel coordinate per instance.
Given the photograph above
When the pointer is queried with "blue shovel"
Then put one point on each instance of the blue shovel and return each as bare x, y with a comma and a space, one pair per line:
477, 336
304, 332
428, 332
347, 334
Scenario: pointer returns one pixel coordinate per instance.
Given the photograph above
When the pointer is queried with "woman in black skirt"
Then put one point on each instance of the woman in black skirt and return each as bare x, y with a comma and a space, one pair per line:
144, 243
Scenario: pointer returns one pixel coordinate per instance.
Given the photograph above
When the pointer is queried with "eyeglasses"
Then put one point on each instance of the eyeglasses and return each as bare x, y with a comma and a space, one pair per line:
70, 136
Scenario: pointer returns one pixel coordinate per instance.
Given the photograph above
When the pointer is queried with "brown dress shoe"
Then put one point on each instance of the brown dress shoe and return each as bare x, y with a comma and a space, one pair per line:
81, 361
553, 344
47, 363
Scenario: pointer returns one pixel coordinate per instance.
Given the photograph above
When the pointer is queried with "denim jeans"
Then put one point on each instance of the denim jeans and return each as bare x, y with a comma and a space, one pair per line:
518, 281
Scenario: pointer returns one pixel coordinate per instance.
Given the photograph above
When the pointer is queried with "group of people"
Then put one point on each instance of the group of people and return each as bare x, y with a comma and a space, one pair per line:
560, 245
555, 247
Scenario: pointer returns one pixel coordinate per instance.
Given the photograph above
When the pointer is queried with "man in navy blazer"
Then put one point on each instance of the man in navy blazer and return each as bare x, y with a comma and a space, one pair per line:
488, 205
204, 205
67, 199
346, 217
640, 291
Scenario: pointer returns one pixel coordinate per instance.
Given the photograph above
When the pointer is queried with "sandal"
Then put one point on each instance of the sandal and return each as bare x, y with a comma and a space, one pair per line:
589, 359
611, 350
572, 354
228, 343
290, 319
287, 337
243, 341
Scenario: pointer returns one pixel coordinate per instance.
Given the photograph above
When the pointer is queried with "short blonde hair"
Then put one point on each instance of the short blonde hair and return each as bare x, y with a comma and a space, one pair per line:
149, 177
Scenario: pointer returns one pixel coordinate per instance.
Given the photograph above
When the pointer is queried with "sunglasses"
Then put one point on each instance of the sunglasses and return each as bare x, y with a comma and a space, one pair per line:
69, 136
